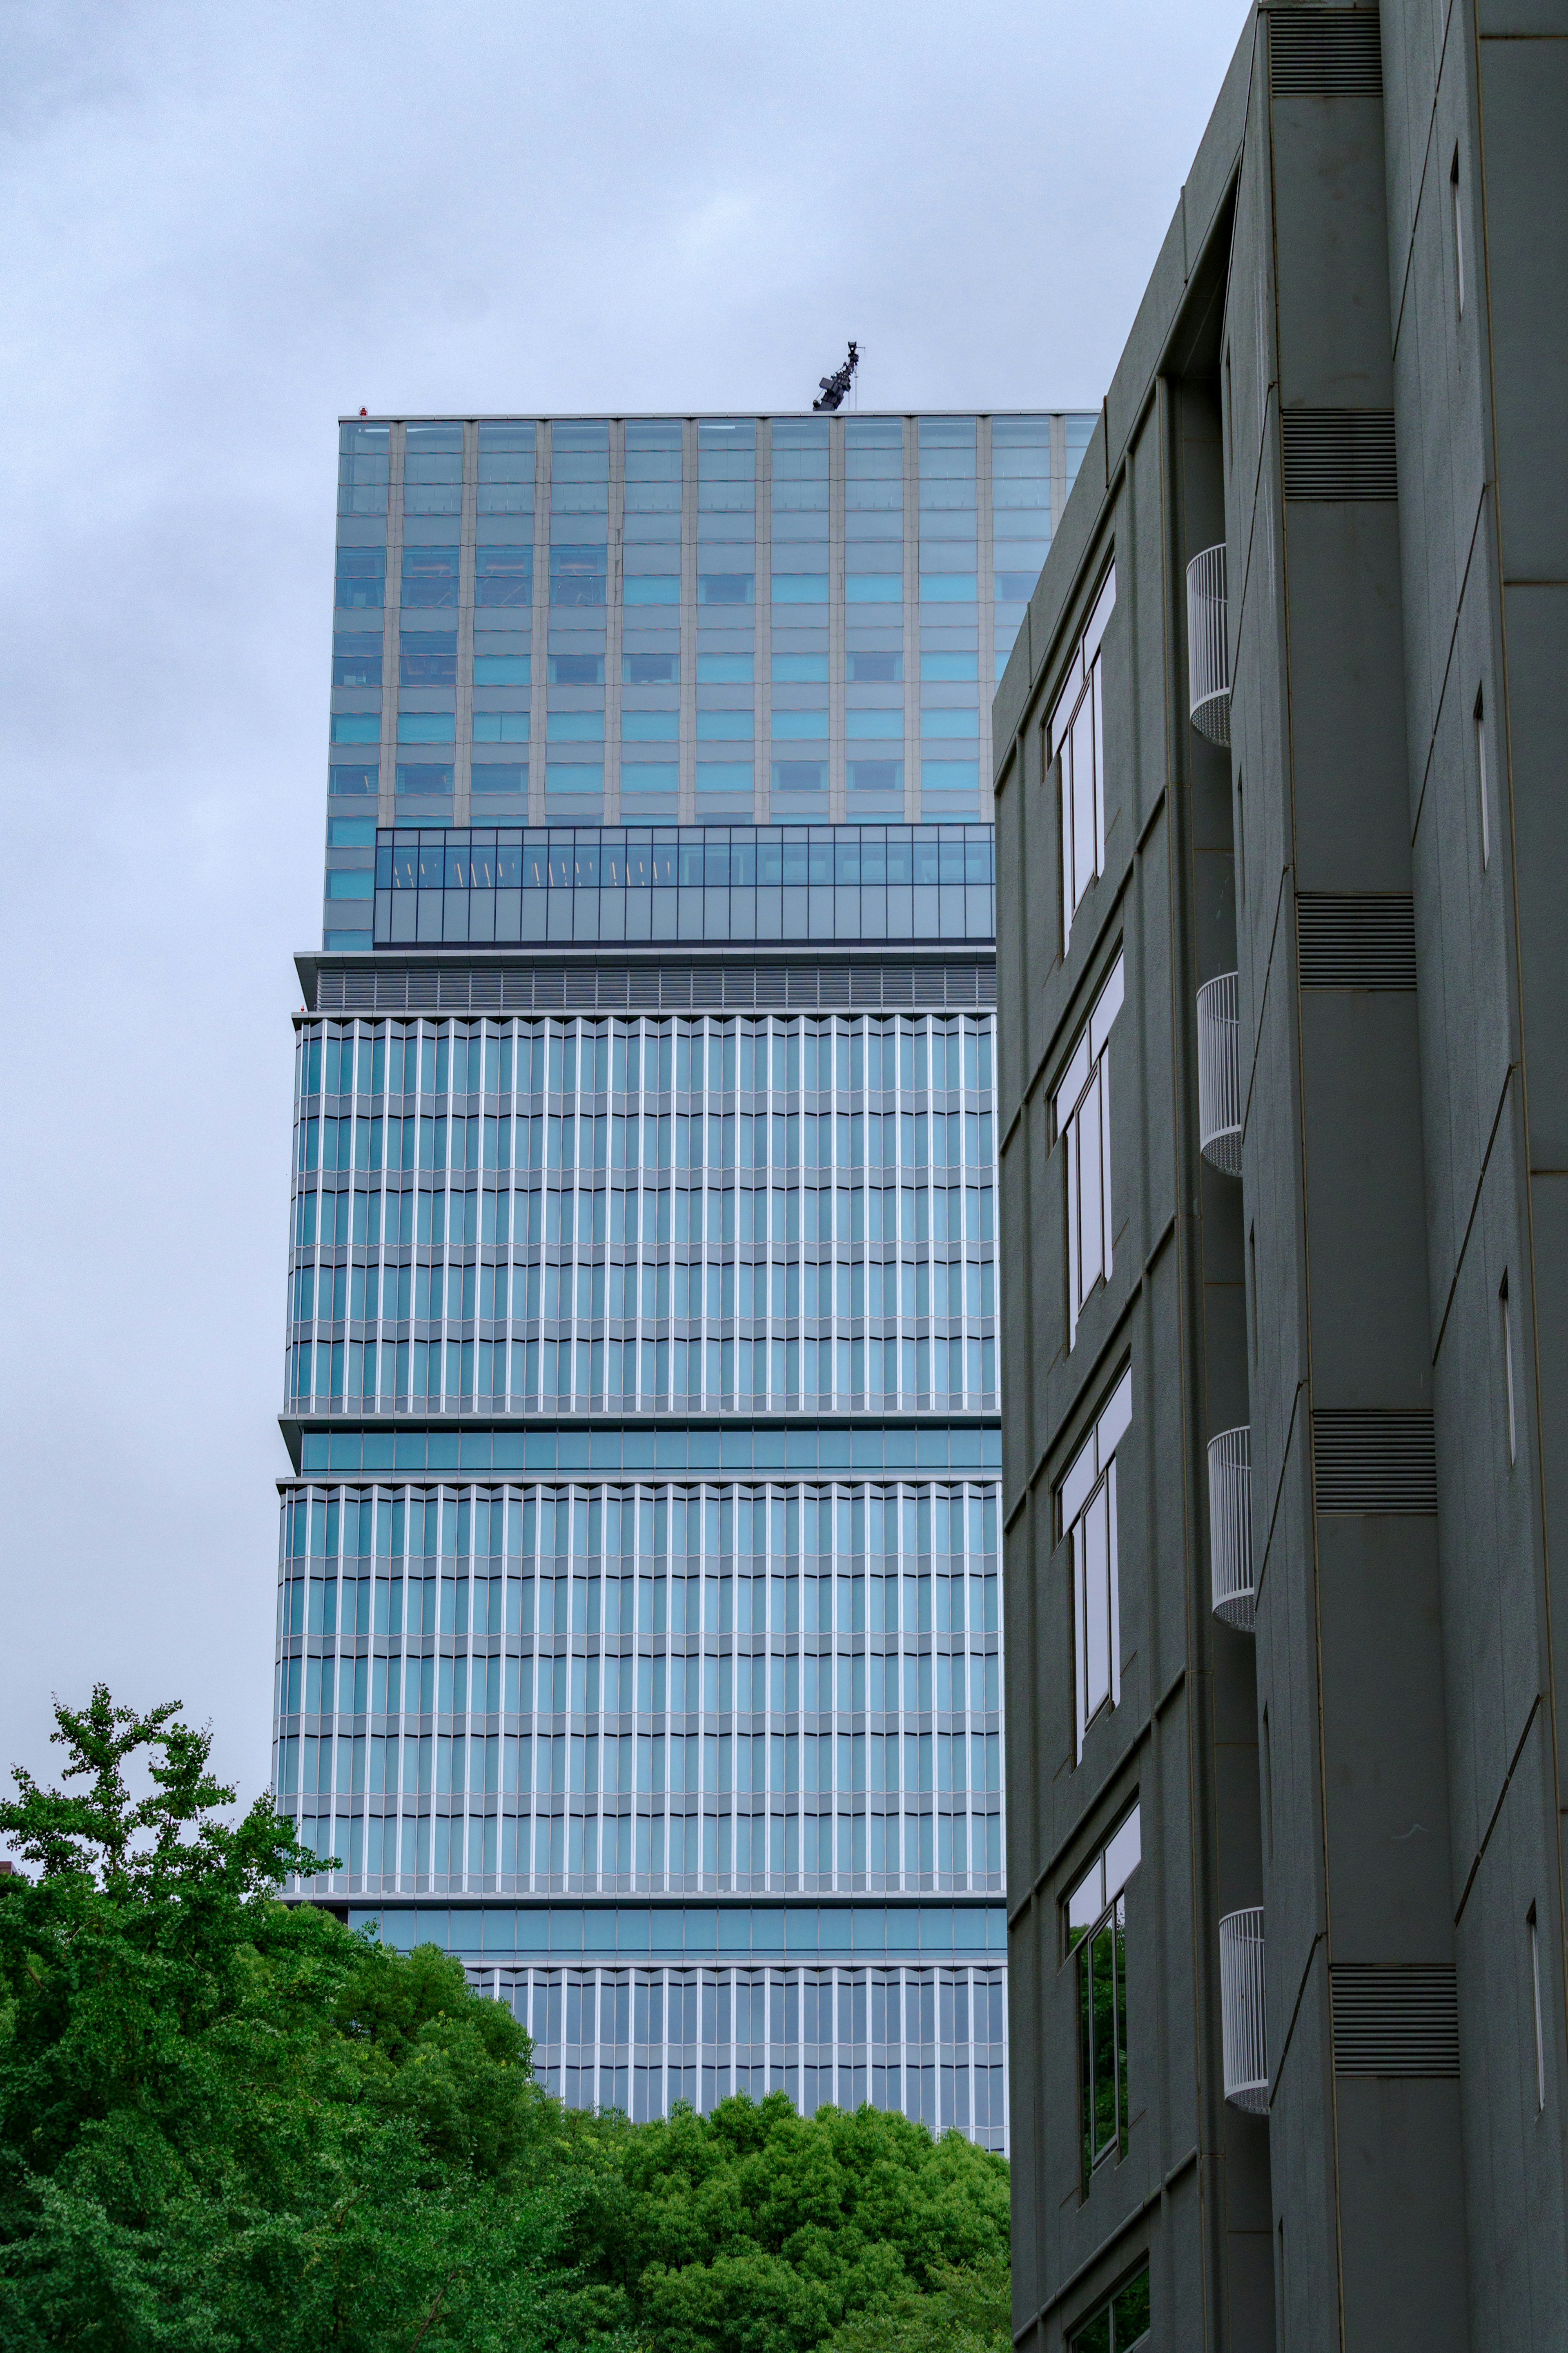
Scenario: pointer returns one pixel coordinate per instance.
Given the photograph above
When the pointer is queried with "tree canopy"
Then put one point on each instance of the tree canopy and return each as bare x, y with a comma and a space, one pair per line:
228, 2124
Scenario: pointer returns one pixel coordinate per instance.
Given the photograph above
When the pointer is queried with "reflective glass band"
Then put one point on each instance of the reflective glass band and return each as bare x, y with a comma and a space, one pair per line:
571, 1448
723, 1934
506, 884
589, 858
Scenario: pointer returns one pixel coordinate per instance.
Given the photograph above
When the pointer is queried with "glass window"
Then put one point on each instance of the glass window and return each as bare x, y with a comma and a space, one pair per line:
425, 726
725, 588
429, 575
345, 777
874, 668
1086, 1516
800, 776
873, 588
1074, 735
1096, 1929
424, 777
498, 777
950, 723
426, 659
949, 587
949, 665
574, 727
649, 726
357, 658
650, 588
649, 775
804, 670
876, 776
501, 661
361, 578
500, 727
1121, 2323
575, 669
650, 669
713, 725
577, 576
724, 777
716, 668
1081, 1109
874, 722
800, 723
504, 575
357, 728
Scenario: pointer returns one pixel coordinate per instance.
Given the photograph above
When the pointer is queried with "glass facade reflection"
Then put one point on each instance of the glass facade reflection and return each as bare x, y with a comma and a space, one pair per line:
637, 1629
689, 882
780, 621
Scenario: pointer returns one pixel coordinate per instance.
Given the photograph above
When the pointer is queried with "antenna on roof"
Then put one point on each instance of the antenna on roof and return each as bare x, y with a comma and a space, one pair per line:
836, 385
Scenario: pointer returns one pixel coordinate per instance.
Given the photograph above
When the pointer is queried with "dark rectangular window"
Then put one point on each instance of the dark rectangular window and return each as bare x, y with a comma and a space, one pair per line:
429, 575
503, 575
577, 576
361, 578
426, 659
357, 658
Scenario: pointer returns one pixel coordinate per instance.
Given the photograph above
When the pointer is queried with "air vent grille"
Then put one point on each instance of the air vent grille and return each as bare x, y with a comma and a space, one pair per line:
395, 987
1367, 1460
1394, 2021
1339, 453
1356, 939
1324, 53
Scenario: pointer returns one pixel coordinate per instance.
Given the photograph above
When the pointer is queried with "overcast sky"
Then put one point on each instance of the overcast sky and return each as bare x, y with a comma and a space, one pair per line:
224, 226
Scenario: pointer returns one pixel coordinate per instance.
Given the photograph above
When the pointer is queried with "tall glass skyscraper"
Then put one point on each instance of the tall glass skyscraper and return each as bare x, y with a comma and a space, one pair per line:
638, 1619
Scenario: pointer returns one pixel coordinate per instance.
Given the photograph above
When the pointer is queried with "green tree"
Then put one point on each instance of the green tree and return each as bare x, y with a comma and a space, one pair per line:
757, 2231
228, 2124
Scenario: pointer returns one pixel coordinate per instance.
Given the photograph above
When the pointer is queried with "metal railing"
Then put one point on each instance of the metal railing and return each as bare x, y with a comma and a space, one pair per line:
1208, 655
1246, 2051
1230, 1527
1219, 1074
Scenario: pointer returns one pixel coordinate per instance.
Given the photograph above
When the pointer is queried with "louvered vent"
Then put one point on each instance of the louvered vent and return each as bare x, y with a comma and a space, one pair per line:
1394, 2021
1324, 53
1366, 1460
1339, 453
390, 987
1356, 939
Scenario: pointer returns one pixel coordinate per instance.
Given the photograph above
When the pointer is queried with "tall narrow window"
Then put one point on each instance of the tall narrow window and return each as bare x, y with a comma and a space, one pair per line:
1458, 231
1075, 737
1240, 843
1096, 1927
1540, 2025
1086, 1514
1252, 1286
1483, 782
1508, 1369
1081, 1110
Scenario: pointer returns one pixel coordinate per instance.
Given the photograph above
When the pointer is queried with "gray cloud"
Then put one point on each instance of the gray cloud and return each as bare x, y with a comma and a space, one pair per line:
224, 226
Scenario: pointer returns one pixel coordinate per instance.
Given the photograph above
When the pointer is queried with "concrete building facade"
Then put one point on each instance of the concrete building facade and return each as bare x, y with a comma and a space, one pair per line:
1282, 851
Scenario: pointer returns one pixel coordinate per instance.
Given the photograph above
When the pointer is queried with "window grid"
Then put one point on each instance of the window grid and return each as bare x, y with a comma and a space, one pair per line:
928, 2043
761, 1688
580, 1224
